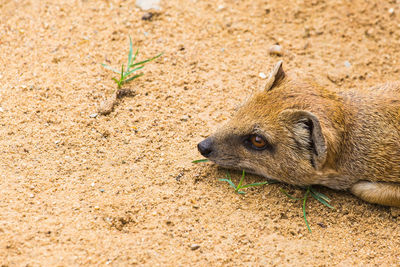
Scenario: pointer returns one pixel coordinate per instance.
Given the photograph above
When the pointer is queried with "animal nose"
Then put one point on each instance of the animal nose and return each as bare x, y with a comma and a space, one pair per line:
205, 147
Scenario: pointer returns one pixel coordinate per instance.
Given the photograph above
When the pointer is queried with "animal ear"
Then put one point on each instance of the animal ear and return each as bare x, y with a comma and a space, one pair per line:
307, 131
277, 75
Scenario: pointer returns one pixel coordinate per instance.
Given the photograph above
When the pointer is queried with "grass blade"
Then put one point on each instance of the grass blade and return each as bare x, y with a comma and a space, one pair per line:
133, 77
323, 201
304, 209
229, 181
122, 73
109, 68
241, 181
131, 71
288, 195
200, 160
320, 195
241, 192
130, 53
134, 57
145, 61
255, 184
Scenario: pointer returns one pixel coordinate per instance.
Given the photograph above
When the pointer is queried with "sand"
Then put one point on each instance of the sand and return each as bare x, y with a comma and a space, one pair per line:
120, 189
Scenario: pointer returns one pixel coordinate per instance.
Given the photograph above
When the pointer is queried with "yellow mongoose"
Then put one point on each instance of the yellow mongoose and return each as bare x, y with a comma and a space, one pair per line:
298, 132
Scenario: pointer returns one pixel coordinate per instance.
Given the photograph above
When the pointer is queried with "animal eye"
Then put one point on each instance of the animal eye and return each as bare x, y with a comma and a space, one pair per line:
257, 142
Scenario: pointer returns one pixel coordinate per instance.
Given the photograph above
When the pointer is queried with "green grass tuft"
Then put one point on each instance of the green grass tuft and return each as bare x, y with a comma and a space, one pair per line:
317, 195
237, 188
310, 191
125, 76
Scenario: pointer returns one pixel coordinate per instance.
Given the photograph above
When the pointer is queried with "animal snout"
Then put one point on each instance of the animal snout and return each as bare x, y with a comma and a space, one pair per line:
205, 147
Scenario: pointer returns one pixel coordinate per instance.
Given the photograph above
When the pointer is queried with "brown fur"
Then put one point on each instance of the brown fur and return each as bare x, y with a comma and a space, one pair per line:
348, 140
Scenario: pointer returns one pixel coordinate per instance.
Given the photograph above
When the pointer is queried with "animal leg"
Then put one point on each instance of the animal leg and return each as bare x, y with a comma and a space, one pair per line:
387, 194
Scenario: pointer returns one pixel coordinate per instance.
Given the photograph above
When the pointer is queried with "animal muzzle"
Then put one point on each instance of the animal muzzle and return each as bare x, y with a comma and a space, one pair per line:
205, 147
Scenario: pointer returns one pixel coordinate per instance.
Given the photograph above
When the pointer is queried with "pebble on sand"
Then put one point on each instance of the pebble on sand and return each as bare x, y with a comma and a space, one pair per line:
185, 118
194, 246
276, 50
148, 4
347, 64
107, 106
147, 16
262, 75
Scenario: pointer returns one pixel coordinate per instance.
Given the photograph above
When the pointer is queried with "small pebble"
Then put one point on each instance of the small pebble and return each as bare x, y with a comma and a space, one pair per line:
220, 7
185, 118
146, 34
57, 142
96, 207
1, 109
276, 50
102, 190
92, 184
391, 11
31, 195
222, 49
147, 16
262, 75
93, 115
347, 64
148, 4
179, 176
369, 32
194, 246
107, 106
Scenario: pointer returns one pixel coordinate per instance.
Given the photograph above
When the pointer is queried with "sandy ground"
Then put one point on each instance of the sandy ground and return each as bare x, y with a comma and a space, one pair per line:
121, 189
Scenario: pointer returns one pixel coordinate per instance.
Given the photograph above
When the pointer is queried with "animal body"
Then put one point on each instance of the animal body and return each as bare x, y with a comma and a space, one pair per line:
298, 132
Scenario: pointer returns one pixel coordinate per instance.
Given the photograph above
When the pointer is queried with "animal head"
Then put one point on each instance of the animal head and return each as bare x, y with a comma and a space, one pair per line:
274, 134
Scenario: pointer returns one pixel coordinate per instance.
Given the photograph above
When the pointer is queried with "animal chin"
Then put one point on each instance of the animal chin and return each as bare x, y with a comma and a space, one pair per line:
259, 172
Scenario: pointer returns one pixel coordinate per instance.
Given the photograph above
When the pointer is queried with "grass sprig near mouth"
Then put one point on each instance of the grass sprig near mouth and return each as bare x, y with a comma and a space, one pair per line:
200, 160
315, 194
125, 76
240, 185
310, 191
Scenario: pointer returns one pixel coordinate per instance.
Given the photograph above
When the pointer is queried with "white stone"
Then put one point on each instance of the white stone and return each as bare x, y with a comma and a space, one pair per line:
148, 4
276, 50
